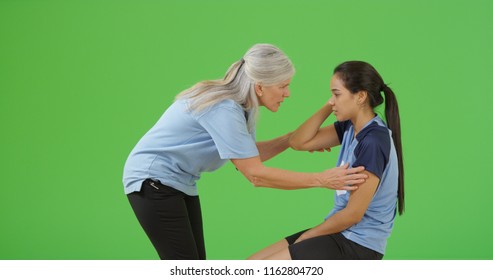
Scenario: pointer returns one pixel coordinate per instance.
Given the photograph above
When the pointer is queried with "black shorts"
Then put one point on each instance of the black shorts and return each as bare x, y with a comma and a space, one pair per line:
329, 247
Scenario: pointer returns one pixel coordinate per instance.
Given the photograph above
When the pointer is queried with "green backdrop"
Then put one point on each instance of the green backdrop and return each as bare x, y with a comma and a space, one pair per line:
82, 81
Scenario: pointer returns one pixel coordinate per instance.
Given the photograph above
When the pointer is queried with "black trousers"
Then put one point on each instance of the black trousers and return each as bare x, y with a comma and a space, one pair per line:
171, 219
329, 247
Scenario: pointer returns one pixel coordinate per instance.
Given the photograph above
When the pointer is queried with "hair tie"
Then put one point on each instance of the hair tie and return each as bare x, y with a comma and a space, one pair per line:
242, 61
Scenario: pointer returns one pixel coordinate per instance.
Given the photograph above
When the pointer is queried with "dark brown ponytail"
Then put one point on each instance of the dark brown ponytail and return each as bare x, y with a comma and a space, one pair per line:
394, 124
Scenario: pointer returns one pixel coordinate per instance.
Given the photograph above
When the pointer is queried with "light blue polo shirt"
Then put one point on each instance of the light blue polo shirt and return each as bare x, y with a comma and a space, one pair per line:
374, 149
183, 144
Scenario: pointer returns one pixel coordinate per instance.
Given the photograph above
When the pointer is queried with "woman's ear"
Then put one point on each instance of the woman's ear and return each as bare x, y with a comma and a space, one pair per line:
362, 96
258, 89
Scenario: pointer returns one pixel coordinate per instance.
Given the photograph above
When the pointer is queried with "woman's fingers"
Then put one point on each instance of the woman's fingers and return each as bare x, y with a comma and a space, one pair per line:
354, 170
348, 188
345, 178
355, 179
355, 182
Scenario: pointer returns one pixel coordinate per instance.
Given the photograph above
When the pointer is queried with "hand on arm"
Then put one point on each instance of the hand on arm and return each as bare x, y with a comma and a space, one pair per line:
339, 178
358, 203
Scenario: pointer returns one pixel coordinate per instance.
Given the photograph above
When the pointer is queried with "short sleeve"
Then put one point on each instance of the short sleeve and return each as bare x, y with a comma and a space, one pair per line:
341, 127
373, 152
226, 124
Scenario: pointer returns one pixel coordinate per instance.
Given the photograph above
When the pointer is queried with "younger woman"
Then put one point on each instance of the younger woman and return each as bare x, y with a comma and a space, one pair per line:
361, 221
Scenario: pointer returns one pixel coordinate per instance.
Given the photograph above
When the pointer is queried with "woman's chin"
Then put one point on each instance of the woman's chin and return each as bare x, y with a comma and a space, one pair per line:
340, 118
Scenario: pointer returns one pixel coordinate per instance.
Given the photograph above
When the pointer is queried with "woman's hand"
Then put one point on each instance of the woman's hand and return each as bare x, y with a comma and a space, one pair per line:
343, 178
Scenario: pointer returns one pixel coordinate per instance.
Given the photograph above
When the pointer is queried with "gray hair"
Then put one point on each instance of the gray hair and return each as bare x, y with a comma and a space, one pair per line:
262, 64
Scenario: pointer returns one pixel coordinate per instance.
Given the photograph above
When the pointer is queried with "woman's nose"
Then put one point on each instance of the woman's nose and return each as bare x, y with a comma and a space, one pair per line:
331, 100
286, 93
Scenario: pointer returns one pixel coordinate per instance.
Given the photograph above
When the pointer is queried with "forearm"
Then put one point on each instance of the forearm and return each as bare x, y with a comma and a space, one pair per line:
339, 178
309, 129
271, 148
284, 179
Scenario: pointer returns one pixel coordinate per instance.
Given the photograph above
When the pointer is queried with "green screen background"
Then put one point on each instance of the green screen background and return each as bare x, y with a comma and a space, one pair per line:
82, 81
